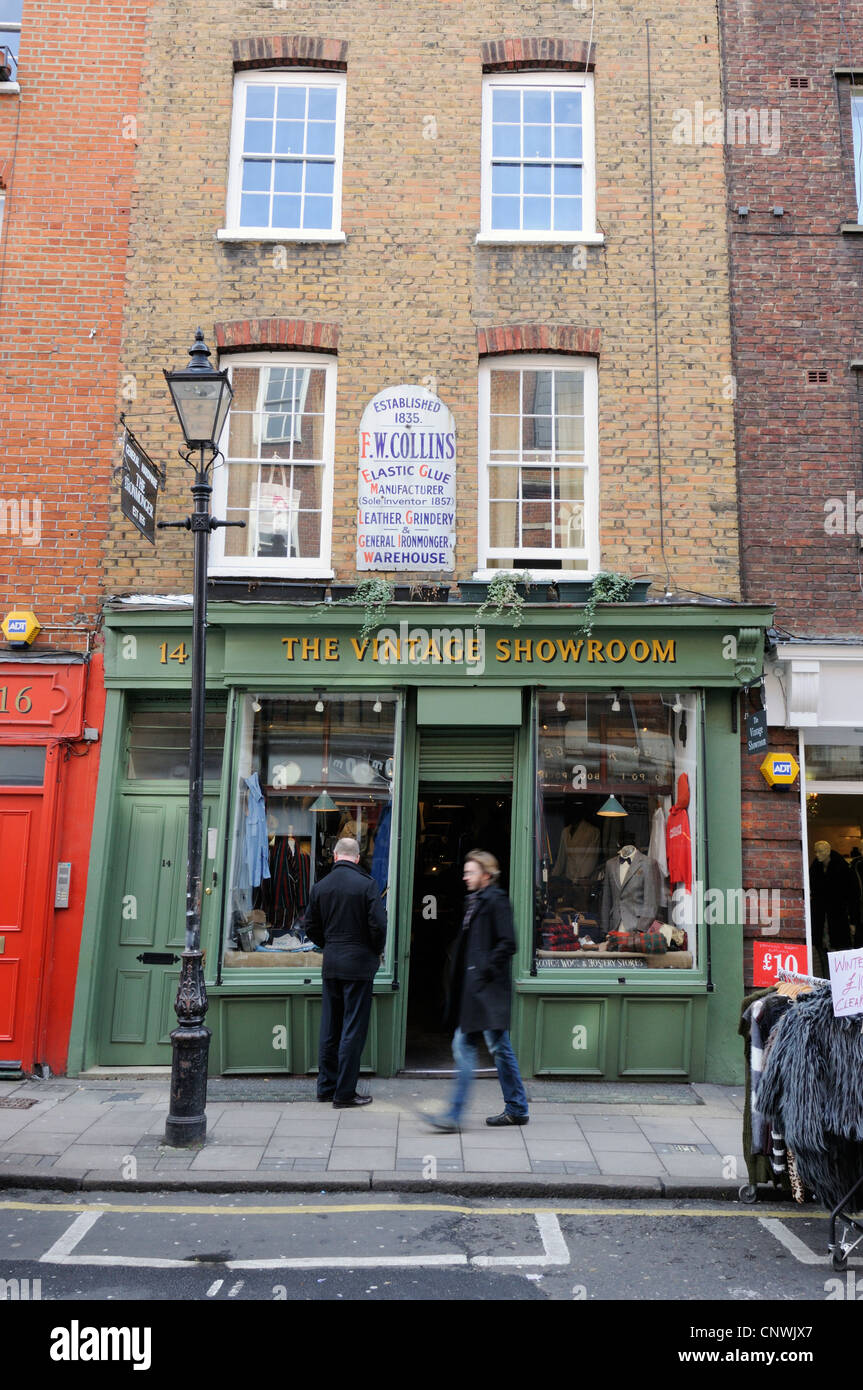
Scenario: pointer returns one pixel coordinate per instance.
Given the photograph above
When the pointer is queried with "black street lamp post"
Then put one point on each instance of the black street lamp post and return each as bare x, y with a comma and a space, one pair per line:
202, 398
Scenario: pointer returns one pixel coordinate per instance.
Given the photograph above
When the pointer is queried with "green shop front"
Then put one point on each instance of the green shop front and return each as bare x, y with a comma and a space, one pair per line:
579, 760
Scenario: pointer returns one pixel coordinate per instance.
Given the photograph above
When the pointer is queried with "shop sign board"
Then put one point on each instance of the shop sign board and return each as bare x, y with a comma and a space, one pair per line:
769, 957
406, 483
846, 982
138, 489
756, 731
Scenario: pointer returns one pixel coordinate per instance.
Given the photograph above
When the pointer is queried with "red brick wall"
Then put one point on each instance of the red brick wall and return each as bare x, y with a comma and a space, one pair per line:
772, 857
796, 296
67, 148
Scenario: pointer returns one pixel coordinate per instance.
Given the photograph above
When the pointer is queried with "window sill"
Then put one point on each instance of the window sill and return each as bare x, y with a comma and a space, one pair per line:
251, 570
9, 89
541, 576
540, 239
243, 234
851, 228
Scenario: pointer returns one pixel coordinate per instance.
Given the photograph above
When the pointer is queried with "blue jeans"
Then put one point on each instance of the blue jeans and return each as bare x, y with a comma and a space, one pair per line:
464, 1050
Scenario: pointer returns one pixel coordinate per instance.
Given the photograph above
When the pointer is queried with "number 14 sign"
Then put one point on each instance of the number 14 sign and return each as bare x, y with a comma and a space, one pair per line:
769, 957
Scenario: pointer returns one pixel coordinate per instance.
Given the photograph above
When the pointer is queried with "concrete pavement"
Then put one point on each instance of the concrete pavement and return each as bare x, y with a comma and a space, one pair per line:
88, 1133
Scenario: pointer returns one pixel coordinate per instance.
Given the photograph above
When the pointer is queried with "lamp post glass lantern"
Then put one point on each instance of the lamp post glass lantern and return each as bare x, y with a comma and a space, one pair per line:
202, 398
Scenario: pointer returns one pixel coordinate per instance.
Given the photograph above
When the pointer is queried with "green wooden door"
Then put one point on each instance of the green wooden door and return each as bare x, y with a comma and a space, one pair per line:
145, 917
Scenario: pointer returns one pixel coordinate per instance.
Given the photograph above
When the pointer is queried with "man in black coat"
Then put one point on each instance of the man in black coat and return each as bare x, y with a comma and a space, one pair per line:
835, 904
345, 917
481, 995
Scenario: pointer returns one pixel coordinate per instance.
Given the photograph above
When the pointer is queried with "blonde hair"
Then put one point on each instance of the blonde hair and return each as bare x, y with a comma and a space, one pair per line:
486, 862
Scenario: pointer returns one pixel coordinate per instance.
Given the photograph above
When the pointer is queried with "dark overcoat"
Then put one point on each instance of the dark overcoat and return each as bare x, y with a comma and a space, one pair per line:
480, 995
346, 917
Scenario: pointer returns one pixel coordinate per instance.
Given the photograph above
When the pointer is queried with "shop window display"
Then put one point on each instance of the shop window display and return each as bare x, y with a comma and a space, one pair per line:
312, 769
616, 831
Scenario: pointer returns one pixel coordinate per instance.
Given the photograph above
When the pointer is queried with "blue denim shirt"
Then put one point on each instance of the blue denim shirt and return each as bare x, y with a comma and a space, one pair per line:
256, 854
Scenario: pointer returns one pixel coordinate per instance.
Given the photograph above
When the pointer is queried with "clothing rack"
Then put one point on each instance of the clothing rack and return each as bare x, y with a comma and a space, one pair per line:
792, 977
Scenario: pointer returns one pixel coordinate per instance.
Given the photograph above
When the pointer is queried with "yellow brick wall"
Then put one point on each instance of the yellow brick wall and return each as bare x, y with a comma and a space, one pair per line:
410, 287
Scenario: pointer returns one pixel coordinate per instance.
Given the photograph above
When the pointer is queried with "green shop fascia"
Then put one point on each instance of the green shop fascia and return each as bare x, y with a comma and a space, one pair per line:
602, 770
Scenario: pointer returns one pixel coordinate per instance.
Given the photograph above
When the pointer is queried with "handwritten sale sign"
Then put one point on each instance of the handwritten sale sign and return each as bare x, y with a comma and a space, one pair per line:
406, 484
846, 982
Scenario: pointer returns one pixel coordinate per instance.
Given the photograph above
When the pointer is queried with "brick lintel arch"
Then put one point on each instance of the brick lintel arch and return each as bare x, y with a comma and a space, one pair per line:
256, 335
290, 50
538, 337
517, 55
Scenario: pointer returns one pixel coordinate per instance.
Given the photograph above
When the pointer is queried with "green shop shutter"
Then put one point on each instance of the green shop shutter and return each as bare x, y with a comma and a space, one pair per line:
466, 755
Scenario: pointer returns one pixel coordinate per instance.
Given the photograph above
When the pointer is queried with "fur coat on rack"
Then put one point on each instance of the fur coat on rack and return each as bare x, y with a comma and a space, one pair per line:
812, 1090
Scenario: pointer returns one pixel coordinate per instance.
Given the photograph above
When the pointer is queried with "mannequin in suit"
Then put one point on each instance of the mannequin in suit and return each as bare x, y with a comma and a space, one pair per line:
630, 894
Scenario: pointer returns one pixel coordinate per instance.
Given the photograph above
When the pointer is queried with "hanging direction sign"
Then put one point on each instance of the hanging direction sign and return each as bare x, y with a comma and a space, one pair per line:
138, 488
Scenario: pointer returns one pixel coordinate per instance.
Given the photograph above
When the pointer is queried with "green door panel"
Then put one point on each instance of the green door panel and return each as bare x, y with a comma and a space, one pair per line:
655, 1037
137, 904
312, 1029
146, 913
255, 1034
571, 1036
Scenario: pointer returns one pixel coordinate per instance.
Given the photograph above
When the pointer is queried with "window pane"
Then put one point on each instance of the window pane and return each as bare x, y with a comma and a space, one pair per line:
289, 137
506, 178
567, 181
288, 176
22, 767
318, 212
259, 101
567, 142
322, 104
504, 434
505, 392
537, 393
506, 142
537, 107
537, 178
632, 754
504, 524
286, 211
292, 754
292, 103
254, 210
503, 483
258, 138
505, 214
567, 108
567, 214
321, 137
256, 175
319, 178
537, 215
158, 743
506, 106
537, 141
857, 124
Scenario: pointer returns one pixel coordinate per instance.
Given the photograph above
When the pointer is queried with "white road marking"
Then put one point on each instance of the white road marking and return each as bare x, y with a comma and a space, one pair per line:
801, 1252
232, 1293
60, 1251
553, 1244
214, 1288
352, 1262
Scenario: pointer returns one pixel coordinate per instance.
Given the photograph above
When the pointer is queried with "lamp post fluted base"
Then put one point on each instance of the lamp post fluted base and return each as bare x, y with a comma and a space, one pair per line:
186, 1124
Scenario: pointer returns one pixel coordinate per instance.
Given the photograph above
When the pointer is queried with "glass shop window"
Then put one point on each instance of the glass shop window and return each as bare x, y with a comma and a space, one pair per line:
158, 745
313, 769
616, 831
22, 765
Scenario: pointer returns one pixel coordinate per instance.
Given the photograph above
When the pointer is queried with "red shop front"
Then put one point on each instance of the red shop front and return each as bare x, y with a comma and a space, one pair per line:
51, 713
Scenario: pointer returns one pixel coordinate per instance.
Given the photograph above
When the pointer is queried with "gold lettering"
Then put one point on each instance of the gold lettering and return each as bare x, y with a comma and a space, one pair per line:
388, 650
569, 650
432, 652
503, 651
472, 653
331, 648
360, 648
594, 649
639, 650
663, 653
453, 650
615, 649
523, 649
289, 644
311, 648
545, 649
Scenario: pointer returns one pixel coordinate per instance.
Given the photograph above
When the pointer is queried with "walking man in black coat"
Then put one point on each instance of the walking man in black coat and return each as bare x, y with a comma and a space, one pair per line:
481, 995
345, 917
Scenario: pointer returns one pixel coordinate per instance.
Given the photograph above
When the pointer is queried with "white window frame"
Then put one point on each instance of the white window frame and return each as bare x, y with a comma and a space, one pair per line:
281, 77
548, 79
10, 26
525, 361
857, 133
283, 566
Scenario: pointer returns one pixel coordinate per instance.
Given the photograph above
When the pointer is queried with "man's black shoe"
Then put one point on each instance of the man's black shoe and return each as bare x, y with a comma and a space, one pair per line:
506, 1119
354, 1100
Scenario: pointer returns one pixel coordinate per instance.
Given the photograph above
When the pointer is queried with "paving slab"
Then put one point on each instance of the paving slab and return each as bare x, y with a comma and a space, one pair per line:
502, 1161
238, 1160
614, 1141
298, 1148
381, 1157
614, 1163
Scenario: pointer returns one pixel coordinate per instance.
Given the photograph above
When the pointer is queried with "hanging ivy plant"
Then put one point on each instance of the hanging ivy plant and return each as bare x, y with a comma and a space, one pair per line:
607, 587
374, 595
504, 599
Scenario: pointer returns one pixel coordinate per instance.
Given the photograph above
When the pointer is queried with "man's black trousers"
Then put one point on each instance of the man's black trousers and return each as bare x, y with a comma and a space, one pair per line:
345, 1011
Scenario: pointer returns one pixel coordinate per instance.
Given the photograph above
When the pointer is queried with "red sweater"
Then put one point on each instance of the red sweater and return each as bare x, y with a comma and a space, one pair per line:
678, 842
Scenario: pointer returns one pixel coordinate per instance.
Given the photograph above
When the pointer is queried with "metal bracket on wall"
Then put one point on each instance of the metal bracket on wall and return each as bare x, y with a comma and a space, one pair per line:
158, 958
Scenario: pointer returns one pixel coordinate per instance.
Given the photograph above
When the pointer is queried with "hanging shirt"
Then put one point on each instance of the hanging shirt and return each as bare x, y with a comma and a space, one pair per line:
255, 845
